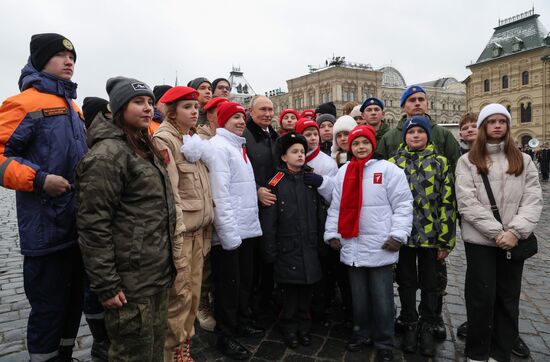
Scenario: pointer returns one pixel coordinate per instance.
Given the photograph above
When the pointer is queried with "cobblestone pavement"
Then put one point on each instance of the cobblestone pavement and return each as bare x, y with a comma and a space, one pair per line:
328, 342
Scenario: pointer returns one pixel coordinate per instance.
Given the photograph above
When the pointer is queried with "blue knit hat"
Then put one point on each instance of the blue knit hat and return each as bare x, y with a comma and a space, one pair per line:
417, 121
371, 101
409, 92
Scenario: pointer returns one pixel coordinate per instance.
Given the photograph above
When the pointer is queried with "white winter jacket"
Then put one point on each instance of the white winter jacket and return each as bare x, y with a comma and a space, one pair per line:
233, 191
386, 211
325, 166
519, 199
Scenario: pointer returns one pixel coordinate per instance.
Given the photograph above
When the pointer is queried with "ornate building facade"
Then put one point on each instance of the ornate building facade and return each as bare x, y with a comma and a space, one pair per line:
342, 82
514, 70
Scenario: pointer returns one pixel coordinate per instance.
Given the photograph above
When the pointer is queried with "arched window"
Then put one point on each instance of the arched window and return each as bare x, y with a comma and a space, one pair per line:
509, 108
525, 112
504, 82
525, 78
486, 85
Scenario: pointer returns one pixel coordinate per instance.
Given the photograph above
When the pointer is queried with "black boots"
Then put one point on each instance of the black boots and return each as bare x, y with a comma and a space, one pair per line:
100, 346
410, 338
232, 348
426, 344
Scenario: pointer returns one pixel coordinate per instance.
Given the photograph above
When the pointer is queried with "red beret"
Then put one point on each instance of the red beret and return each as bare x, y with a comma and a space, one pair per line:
307, 113
289, 110
365, 131
214, 102
304, 123
226, 110
179, 93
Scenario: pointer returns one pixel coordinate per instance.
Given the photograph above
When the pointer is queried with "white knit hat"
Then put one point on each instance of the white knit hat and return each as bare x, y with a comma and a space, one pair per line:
355, 112
490, 109
344, 123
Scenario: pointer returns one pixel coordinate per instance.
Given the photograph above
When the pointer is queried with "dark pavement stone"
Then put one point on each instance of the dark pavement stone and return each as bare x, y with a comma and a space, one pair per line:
271, 351
332, 349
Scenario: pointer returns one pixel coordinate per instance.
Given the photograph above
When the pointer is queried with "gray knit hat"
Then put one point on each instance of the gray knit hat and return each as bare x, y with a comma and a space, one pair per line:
122, 89
195, 83
326, 117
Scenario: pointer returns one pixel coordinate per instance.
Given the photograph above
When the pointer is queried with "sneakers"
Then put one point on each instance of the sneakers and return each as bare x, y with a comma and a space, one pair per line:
520, 349
410, 338
205, 317
426, 344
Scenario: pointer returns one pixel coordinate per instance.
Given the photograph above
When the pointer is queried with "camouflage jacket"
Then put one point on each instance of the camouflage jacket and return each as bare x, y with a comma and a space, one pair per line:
434, 206
125, 217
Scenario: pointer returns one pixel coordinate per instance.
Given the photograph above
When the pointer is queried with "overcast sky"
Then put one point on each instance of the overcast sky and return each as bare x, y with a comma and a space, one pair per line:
271, 41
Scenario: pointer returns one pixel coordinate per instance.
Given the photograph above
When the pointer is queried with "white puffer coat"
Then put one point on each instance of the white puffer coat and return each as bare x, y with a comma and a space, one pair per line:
233, 191
386, 211
325, 166
519, 199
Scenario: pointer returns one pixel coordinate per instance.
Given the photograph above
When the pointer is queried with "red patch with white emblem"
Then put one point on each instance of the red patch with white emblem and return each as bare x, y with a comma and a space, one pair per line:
377, 178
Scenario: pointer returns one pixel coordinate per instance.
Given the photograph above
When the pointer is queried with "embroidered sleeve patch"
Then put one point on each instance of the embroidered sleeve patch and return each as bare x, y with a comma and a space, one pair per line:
166, 155
275, 180
377, 178
59, 111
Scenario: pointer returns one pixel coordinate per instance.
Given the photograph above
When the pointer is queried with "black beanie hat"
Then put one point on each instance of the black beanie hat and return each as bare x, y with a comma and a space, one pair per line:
91, 107
326, 108
45, 46
217, 80
122, 89
195, 83
159, 91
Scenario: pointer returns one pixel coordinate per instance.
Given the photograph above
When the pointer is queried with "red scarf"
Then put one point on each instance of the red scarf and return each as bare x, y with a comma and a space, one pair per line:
313, 154
352, 198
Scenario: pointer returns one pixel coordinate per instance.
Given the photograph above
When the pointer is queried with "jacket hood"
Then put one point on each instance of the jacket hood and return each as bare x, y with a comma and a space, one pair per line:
44, 82
103, 128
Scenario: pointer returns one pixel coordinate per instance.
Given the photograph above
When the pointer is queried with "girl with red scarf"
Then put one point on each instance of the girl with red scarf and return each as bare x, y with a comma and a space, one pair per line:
369, 218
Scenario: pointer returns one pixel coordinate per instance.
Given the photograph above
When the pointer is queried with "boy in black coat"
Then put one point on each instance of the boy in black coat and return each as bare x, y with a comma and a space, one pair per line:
291, 237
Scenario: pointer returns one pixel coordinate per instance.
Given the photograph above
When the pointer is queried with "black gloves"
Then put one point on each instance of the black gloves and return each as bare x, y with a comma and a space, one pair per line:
312, 179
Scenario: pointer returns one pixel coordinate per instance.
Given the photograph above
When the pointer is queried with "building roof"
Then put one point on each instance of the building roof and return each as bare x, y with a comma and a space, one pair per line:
239, 85
391, 77
439, 83
519, 33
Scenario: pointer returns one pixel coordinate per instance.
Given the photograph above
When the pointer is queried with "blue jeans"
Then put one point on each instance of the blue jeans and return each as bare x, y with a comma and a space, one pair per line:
372, 299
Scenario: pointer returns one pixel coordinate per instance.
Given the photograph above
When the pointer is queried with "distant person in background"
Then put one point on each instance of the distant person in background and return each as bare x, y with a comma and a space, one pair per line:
357, 116
544, 161
326, 125
307, 113
221, 88
348, 107
158, 115
325, 108
287, 120
204, 87
373, 114
467, 131
91, 108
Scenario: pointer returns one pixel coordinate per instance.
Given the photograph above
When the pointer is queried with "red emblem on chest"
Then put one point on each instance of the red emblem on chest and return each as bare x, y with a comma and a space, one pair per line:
377, 178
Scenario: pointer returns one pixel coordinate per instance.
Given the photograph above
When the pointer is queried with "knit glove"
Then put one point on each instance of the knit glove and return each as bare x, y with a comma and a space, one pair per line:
312, 179
193, 147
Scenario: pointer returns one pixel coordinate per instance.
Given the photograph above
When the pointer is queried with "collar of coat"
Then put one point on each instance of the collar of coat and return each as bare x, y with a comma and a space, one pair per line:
404, 118
258, 132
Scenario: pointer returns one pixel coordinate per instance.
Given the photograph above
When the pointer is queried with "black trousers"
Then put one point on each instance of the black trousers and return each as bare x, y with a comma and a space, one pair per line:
492, 290
296, 304
410, 277
232, 271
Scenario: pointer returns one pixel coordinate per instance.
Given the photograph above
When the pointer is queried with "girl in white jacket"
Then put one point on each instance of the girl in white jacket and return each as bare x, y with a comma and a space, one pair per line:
493, 282
369, 218
236, 225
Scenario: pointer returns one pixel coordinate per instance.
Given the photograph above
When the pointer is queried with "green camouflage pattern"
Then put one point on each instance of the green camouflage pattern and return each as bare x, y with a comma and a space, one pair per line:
431, 183
137, 331
125, 217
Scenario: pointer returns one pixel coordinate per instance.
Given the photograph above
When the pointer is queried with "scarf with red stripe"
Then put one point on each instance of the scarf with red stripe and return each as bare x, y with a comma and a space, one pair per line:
313, 154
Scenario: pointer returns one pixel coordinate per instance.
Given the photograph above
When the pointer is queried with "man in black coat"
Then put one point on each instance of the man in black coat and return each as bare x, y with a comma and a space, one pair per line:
261, 140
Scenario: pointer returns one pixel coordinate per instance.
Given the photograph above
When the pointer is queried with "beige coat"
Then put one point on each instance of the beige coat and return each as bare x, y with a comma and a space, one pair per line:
205, 132
190, 184
519, 199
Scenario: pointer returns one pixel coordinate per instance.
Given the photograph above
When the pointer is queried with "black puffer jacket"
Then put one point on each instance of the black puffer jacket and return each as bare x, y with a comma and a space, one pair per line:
261, 149
291, 228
